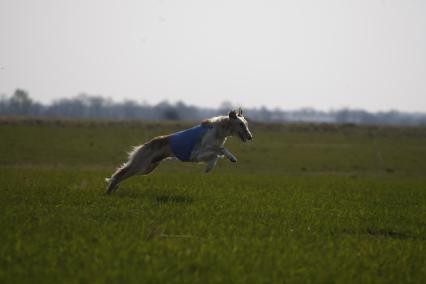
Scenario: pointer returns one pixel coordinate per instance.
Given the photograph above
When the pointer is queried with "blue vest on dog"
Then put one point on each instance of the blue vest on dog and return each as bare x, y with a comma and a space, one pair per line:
183, 142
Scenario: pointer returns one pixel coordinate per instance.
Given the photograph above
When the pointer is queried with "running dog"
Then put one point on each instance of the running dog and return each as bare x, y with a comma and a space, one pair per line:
202, 143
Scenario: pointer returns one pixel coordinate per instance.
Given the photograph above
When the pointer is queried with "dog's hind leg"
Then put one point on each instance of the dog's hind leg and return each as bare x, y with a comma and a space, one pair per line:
149, 168
127, 171
121, 174
142, 160
132, 167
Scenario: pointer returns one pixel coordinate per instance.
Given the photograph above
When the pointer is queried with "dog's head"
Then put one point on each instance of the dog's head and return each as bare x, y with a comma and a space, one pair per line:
239, 125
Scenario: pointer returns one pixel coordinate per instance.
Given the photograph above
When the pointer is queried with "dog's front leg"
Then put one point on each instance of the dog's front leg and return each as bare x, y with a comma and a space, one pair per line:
211, 164
229, 155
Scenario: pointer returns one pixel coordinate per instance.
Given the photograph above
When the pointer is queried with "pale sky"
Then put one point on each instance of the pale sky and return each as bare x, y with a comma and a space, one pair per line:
367, 54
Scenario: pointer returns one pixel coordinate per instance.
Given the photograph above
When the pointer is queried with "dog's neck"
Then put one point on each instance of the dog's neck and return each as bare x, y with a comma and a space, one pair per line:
222, 124
225, 127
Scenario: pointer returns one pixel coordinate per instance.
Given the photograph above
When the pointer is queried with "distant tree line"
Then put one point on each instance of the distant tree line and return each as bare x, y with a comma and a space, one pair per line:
89, 106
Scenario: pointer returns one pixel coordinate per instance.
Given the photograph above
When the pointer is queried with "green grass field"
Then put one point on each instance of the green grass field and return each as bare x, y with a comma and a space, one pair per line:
304, 204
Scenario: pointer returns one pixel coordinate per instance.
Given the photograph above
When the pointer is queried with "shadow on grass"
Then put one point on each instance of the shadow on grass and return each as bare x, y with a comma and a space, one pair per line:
380, 233
388, 234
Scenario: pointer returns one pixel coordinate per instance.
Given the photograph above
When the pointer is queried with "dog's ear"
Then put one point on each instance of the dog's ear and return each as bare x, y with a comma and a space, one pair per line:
240, 112
232, 114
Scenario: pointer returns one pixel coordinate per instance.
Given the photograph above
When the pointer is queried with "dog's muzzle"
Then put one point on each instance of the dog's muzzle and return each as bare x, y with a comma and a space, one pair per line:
243, 138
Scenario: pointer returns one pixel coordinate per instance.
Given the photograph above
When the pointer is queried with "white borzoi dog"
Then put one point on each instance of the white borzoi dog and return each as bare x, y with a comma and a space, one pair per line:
202, 143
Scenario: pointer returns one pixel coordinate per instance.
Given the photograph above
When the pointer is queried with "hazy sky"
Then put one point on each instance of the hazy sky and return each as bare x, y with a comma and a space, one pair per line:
325, 54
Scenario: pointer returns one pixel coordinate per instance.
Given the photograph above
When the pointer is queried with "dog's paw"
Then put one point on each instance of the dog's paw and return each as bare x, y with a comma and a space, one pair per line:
233, 159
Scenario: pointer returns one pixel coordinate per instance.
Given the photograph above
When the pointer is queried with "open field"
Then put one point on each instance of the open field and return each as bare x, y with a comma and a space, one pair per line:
304, 204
